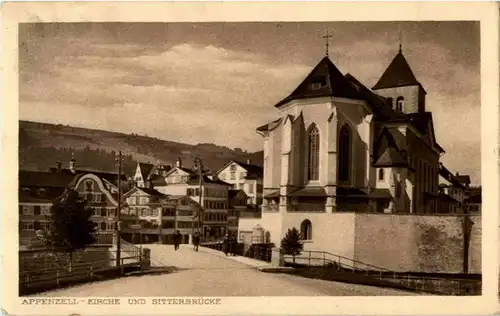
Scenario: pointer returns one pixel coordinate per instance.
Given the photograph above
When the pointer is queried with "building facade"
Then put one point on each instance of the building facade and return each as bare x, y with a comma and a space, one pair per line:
212, 195
246, 177
339, 147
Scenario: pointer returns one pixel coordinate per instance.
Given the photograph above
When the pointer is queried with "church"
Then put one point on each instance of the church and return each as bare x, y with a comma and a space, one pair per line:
338, 147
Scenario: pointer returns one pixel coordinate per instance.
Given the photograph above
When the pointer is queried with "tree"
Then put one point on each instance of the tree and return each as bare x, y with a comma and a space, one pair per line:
291, 244
70, 227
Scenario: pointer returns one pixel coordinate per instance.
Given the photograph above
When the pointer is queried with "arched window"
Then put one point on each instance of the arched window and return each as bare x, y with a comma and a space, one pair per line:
381, 174
400, 101
306, 230
313, 153
344, 155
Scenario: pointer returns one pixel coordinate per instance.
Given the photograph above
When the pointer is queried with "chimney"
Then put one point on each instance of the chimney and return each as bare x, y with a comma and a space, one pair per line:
178, 163
59, 166
72, 164
457, 174
249, 161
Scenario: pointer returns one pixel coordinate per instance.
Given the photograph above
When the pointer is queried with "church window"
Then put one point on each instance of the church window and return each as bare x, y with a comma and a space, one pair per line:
313, 154
344, 156
306, 230
400, 104
381, 174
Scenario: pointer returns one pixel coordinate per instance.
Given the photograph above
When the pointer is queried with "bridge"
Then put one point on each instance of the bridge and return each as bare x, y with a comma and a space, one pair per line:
210, 273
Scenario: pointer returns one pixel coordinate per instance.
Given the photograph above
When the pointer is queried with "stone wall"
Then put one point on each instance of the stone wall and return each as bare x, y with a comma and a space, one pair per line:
416, 243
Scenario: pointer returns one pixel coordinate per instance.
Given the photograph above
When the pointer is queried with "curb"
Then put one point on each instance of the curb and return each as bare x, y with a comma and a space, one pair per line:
276, 269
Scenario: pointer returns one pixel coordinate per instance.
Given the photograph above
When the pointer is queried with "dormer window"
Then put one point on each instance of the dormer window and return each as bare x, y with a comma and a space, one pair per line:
317, 84
41, 192
400, 104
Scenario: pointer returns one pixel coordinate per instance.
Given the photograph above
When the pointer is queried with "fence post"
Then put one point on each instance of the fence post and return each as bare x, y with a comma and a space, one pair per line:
309, 259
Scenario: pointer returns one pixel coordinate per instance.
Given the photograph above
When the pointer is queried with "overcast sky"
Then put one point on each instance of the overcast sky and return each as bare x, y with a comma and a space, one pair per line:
216, 82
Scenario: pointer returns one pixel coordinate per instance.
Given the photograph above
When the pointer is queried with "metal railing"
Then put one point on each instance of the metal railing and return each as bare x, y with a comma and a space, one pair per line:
256, 252
449, 285
51, 271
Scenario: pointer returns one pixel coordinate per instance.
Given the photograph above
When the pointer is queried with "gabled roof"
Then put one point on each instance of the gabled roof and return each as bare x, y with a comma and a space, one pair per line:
389, 149
268, 126
44, 179
464, 179
329, 82
149, 191
232, 193
145, 169
398, 74
253, 171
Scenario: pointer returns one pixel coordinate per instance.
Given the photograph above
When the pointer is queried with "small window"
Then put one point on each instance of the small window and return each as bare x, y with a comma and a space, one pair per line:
306, 230
381, 174
89, 186
400, 104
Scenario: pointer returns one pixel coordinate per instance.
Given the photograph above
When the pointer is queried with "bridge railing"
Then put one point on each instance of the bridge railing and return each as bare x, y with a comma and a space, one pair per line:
425, 282
46, 271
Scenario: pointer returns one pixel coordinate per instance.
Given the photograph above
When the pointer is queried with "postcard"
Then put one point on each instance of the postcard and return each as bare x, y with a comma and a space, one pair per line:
230, 158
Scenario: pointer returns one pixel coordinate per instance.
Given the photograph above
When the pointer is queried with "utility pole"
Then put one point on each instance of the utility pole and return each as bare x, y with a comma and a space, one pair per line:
199, 164
119, 159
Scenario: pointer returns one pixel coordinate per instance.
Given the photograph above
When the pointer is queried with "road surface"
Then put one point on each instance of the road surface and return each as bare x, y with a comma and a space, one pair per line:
206, 273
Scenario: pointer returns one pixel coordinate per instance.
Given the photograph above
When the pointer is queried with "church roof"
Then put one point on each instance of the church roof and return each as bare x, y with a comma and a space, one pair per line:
380, 105
325, 80
390, 148
398, 74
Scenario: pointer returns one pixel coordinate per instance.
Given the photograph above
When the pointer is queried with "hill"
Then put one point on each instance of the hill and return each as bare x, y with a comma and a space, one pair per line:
41, 145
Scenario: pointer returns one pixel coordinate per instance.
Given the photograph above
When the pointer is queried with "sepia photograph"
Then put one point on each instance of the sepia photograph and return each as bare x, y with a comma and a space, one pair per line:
308, 158
190, 161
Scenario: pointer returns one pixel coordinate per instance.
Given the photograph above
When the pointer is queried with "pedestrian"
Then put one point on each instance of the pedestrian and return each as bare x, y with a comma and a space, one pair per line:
177, 239
225, 244
233, 244
196, 241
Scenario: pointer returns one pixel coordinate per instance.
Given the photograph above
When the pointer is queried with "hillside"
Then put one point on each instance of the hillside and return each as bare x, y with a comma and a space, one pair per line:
41, 145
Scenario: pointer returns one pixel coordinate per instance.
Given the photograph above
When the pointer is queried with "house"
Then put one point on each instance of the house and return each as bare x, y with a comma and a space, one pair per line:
246, 177
211, 194
146, 172
473, 202
452, 191
143, 207
340, 147
38, 190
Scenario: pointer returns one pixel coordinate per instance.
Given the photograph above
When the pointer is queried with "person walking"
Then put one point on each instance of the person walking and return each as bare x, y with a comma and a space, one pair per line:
177, 239
233, 243
196, 241
225, 244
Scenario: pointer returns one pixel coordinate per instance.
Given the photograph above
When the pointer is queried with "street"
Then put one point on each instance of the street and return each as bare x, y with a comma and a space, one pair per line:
209, 273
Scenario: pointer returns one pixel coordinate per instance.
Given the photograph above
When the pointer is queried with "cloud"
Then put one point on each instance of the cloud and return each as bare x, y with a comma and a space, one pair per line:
206, 93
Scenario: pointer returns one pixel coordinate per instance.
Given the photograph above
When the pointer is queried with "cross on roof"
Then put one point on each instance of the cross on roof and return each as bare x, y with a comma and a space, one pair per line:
326, 37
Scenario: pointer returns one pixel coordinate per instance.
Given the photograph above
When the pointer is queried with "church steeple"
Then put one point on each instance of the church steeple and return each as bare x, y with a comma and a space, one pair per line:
400, 86
398, 74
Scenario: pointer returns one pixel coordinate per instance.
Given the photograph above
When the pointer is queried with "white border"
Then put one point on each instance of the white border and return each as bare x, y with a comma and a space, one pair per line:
486, 12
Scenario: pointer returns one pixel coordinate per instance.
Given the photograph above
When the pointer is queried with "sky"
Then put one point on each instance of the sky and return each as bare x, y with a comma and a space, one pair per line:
217, 82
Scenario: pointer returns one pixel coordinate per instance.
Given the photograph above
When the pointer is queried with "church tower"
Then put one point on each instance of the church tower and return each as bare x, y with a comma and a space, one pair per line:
398, 83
